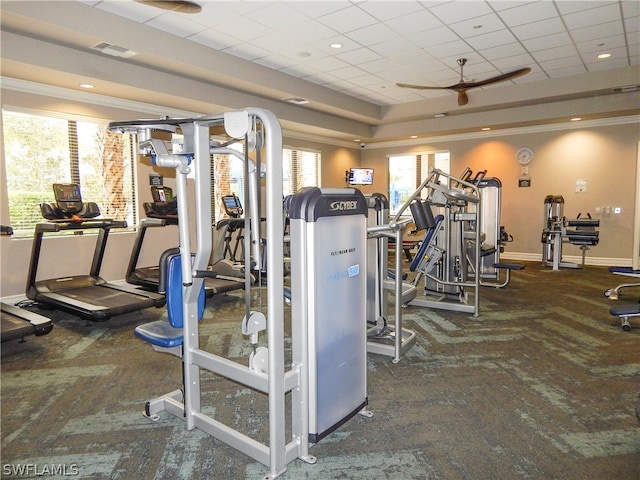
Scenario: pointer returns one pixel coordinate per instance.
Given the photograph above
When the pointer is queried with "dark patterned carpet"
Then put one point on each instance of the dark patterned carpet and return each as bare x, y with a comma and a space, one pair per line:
542, 385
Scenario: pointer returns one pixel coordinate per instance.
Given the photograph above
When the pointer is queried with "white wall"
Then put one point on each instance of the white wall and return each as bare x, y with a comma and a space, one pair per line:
604, 155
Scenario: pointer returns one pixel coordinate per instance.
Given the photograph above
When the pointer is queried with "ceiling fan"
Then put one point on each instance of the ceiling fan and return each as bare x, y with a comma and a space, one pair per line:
461, 87
182, 6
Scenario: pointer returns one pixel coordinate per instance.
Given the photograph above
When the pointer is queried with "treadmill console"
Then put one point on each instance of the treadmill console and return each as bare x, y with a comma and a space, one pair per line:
68, 197
232, 206
68, 204
164, 205
161, 193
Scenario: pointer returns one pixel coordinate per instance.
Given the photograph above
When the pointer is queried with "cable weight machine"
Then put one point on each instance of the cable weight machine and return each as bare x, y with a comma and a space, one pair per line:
449, 216
302, 382
557, 230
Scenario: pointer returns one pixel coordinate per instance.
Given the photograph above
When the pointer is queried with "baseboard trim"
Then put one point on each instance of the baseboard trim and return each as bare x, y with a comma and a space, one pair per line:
600, 261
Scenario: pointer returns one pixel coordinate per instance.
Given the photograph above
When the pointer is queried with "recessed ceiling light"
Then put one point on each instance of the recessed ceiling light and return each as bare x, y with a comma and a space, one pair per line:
576, 119
602, 56
485, 129
86, 85
413, 136
336, 45
440, 115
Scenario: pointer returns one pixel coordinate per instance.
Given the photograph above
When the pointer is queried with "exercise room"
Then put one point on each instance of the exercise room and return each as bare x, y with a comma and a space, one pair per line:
320, 240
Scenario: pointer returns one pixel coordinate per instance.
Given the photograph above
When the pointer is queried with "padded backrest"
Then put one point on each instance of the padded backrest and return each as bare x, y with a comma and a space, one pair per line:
174, 293
428, 238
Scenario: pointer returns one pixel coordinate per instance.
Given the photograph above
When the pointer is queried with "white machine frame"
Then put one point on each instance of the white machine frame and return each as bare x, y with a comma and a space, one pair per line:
267, 374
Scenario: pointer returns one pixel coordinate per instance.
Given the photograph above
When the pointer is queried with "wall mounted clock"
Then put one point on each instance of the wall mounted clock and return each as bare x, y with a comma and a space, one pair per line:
524, 156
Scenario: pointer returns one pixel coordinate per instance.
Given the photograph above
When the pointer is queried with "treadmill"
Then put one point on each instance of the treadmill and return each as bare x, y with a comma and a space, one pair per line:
87, 296
17, 323
161, 212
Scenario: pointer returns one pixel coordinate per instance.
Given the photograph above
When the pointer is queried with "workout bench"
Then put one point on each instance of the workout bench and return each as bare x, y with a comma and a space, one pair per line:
625, 312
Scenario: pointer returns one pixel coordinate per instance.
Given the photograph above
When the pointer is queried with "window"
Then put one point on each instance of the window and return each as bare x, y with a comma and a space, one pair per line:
43, 150
300, 169
228, 179
407, 172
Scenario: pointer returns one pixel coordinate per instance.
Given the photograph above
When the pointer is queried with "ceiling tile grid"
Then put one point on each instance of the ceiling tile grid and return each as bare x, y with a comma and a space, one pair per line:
385, 42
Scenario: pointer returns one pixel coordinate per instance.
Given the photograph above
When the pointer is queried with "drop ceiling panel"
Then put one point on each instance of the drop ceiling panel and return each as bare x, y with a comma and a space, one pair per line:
452, 12
531, 13
385, 42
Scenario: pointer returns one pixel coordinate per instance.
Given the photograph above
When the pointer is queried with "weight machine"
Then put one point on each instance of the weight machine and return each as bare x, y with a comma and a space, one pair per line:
301, 383
493, 236
557, 231
452, 238
383, 338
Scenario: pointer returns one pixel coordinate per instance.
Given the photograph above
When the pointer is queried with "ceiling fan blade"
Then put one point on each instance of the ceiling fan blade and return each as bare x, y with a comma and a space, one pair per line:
420, 87
182, 6
499, 78
463, 86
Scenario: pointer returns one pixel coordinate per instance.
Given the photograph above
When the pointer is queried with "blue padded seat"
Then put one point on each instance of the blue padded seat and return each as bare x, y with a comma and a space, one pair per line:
621, 310
625, 271
169, 334
428, 237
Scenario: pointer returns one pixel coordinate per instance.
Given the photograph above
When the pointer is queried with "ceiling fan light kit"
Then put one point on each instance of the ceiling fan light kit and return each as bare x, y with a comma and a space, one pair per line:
461, 87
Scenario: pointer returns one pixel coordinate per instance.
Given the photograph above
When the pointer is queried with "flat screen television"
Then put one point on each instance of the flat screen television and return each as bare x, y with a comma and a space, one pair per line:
360, 176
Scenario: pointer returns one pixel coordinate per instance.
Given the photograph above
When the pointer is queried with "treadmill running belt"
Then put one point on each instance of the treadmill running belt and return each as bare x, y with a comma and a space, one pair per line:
96, 303
17, 323
14, 328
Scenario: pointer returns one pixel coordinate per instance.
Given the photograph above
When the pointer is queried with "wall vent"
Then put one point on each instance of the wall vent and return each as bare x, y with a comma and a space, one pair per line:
114, 50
